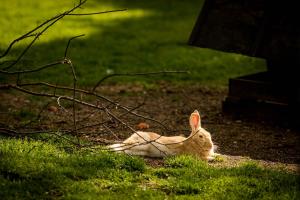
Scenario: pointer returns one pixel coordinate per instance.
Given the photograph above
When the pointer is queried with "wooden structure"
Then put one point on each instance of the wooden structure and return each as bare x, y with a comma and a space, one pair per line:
259, 28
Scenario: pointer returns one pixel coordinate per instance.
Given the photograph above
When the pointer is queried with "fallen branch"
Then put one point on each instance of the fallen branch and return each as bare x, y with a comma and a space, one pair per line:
62, 92
98, 96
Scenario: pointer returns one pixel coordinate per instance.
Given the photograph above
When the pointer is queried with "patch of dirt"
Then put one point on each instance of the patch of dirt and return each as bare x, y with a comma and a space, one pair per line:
226, 161
170, 105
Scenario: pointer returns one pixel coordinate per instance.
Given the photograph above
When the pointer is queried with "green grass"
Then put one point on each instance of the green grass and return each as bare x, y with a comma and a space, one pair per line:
32, 169
150, 36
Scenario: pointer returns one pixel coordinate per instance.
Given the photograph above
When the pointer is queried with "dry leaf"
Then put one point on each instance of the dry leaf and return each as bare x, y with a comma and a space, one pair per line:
52, 109
143, 125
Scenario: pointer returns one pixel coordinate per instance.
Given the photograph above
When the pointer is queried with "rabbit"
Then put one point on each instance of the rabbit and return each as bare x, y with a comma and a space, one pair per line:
198, 144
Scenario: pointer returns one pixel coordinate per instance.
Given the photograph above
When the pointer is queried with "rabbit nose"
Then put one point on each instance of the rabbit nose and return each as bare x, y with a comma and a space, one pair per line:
210, 145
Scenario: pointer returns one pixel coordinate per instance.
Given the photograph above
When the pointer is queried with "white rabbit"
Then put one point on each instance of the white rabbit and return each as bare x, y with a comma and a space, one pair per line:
198, 144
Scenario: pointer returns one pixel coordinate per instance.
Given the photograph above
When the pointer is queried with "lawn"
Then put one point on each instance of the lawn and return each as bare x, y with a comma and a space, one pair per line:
150, 36
33, 169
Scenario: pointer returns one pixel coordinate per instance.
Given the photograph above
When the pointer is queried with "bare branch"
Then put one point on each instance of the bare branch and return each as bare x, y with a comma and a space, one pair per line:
111, 132
34, 70
15, 133
125, 124
96, 13
9, 132
104, 122
74, 96
23, 87
30, 33
53, 20
103, 98
8, 86
37, 117
136, 74
66, 51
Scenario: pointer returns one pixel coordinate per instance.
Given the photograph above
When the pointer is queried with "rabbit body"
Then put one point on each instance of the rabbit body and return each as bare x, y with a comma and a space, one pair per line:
198, 144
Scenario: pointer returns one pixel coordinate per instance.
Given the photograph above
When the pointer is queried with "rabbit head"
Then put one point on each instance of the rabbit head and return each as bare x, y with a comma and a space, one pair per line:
200, 136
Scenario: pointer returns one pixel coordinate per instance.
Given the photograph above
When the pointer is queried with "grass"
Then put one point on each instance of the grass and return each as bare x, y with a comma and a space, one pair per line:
33, 169
150, 36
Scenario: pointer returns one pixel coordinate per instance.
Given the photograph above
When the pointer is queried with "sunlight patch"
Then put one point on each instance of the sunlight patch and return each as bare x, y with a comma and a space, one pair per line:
132, 13
88, 25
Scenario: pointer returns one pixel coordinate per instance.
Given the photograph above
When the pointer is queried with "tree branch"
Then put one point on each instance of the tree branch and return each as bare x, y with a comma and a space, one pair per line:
96, 13
103, 98
34, 70
30, 33
23, 87
67, 47
136, 74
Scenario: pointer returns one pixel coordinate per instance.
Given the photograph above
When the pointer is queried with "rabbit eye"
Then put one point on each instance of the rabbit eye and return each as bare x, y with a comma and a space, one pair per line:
201, 136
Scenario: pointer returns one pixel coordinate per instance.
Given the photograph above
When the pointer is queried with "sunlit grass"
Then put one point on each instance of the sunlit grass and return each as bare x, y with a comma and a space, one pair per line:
33, 169
26, 16
149, 36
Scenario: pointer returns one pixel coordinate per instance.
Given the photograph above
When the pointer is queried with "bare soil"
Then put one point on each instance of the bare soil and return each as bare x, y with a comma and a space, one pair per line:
237, 139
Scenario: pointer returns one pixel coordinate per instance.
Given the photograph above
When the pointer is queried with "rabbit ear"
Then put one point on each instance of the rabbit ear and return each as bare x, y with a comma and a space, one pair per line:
195, 121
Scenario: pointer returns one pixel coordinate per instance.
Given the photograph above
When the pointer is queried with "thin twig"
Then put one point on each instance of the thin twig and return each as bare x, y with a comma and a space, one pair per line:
96, 13
74, 85
120, 121
8, 86
37, 117
84, 118
67, 47
125, 146
10, 132
34, 70
101, 97
7, 61
65, 138
104, 122
20, 86
53, 19
74, 109
111, 132
135, 74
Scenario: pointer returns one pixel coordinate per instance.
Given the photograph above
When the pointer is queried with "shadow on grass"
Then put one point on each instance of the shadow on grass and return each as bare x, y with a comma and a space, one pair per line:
35, 170
150, 36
